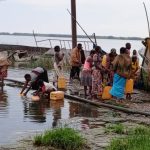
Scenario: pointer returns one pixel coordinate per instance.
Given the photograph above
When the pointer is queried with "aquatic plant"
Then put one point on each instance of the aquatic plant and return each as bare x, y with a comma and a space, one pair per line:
64, 138
45, 62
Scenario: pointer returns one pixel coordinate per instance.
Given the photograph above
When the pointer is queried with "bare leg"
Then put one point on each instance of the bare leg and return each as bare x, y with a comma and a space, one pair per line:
85, 89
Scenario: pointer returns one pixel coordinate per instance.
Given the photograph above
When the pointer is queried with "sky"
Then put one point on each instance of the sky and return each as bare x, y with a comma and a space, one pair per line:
103, 17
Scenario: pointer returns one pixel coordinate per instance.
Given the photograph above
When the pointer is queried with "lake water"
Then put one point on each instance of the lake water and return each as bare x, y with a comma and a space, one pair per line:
20, 115
106, 44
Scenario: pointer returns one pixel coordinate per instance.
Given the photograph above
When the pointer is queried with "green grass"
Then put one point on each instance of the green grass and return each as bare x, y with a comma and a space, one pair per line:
64, 138
116, 128
137, 139
45, 62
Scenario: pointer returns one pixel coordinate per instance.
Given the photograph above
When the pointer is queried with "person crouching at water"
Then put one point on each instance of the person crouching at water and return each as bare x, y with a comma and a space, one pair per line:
45, 88
32, 79
86, 74
122, 69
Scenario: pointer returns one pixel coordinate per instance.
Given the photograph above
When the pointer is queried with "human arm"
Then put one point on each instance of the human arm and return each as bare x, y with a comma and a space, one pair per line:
24, 87
27, 90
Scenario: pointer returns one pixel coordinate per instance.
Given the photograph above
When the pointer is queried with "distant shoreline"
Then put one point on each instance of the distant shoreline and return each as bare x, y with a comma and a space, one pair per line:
69, 36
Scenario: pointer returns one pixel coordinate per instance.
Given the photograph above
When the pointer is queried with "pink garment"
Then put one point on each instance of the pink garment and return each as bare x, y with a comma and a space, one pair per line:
86, 66
88, 63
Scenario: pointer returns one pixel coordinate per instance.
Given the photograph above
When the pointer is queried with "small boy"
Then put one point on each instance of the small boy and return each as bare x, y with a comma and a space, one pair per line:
45, 88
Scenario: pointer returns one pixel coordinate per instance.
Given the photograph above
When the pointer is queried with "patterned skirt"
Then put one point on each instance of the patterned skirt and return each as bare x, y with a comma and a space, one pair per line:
86, 78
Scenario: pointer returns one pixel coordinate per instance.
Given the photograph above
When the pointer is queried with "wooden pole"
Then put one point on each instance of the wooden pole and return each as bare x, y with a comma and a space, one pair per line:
80, 26
147, 18
74, 29
35, 40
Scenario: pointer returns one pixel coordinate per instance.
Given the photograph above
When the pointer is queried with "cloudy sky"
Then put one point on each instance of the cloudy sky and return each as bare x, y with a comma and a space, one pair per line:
103, 17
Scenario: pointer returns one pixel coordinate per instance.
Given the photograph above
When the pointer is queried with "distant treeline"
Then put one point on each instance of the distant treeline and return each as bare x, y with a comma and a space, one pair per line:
69, 36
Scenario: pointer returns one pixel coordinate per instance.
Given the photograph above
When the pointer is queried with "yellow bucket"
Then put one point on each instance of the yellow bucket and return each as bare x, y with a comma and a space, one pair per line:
106, 95
129, 86
61, 82
57, 95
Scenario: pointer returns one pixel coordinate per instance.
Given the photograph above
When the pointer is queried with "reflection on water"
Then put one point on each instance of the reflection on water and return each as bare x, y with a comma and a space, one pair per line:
3, 104
19, 115
80, 110
35, 111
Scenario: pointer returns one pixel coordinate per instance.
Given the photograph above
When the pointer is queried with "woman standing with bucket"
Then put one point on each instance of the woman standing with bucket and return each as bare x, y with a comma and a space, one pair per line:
122, 69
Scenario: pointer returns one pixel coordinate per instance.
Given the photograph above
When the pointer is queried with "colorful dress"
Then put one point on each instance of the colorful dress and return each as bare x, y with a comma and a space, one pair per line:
97, 76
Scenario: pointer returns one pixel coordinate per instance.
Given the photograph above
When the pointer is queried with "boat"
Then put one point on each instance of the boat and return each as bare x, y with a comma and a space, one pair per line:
23, 56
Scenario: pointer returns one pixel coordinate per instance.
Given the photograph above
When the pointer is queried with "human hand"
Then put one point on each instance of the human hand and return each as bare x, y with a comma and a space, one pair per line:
21, 94
24, 94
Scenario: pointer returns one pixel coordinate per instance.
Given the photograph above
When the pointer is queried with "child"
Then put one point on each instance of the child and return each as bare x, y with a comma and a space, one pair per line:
58, 58
86, 74
45, 88
134, 69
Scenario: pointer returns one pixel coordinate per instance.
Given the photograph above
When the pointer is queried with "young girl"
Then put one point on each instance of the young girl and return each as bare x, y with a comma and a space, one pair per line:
86, 74
134, 69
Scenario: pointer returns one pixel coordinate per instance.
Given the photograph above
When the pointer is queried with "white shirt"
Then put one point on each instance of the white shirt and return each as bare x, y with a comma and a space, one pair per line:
49, 86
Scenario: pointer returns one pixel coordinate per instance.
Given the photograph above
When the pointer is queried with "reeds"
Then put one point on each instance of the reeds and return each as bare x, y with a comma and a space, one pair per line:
63, 138
136, 139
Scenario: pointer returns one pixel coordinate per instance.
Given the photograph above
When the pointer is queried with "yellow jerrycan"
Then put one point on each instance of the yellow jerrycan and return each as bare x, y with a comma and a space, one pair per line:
104, 61
57, 95
106, 95
129, 86
62, 82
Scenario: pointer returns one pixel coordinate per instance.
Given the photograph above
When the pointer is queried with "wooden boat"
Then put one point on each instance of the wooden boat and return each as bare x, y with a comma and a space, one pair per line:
23, 56
146, 55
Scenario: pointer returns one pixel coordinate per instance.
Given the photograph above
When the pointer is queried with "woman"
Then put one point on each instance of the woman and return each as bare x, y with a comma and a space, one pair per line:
86, 74
122, 69
108, 75
32, 79
97, 73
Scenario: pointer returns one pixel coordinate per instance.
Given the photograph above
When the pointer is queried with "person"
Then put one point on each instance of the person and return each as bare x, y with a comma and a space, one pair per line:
108, 74
128, 48
122, 69
97, 73
75, 62
86, 74
135, 54
58, 58
32, 79
134, 69
82, 56
45, 88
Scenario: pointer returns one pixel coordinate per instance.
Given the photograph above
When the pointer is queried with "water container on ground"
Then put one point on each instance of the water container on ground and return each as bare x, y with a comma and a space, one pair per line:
106, 95
61, 82
129, 86
57, 95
